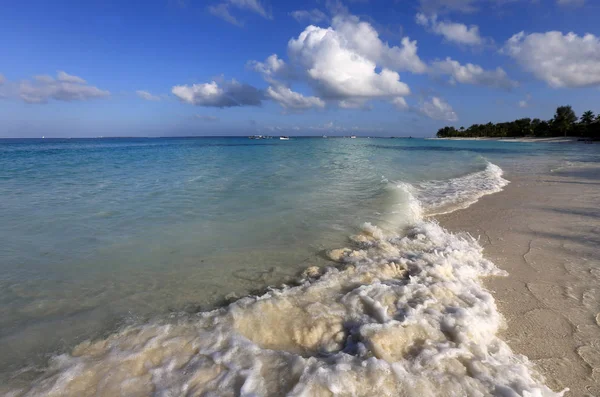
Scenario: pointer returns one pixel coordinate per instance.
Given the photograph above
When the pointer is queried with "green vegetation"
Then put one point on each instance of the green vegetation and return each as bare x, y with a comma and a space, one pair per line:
564, 123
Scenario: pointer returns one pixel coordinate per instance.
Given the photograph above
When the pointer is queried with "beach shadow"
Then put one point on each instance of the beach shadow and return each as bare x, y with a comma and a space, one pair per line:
574, 182
592, 173
591, 212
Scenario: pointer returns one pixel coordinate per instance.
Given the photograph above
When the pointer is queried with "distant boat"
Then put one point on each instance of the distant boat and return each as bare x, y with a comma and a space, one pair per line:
353, 137
324, 136
284, 138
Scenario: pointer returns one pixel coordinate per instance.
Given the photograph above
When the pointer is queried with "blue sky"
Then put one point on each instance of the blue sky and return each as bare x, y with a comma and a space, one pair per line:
240, 67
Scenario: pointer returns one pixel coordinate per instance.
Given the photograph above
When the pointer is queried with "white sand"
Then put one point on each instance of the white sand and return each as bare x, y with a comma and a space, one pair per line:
545, 231
560, 139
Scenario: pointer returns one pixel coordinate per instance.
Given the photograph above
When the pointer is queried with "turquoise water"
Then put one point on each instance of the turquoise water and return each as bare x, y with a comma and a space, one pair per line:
100, 233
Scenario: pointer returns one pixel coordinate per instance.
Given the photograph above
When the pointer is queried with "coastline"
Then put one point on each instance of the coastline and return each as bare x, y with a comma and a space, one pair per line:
543, 230
566, 139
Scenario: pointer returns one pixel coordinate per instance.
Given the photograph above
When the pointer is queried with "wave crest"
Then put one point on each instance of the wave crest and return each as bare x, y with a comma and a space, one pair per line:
440, 197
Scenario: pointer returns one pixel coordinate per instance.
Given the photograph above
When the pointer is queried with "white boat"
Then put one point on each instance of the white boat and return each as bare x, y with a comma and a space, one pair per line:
353, 137
324, 136
284, 138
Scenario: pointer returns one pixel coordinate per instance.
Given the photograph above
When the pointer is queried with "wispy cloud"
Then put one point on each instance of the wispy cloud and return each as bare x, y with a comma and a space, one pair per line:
206, 118
438, 109
458, 33
223, 10
65, 87
147, 96
314, 15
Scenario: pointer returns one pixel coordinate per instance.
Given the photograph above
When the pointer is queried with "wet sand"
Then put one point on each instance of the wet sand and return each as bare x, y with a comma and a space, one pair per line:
545, 231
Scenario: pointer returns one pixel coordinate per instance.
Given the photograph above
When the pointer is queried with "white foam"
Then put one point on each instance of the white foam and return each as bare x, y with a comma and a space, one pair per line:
440, 197
401, 316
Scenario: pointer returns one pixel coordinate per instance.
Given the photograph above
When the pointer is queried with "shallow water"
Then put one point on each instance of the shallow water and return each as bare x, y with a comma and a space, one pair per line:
103, 233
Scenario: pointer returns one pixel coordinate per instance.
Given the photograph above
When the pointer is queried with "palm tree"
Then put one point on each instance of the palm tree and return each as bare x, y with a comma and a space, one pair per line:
587, 118
564, 119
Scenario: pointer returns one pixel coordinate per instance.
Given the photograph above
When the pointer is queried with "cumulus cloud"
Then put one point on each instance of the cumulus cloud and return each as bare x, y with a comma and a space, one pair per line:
314, 15
438, 109
561, 60
338, 71
473, 74
272, 68
223, 10
454, 32
291, 100
523, 104
347, 63
361, 38
147, 96
228, 94
64, 87
205, 118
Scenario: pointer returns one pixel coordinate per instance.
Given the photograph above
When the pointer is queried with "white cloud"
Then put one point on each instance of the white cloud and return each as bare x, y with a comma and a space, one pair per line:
432, 6
147, 96
65, 87
229, 94
223, 10
400, 103
354, 103
338, 69
272, 68
525, 102
252, 5
289, 99
438, 109
2, 79
208, 119
455, 32
561, 60
347, 63
570, 2
314, 15
68, 78
361, 38
473, 74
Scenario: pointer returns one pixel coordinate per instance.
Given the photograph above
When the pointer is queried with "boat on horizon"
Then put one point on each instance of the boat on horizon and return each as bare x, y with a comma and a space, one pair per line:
284, 138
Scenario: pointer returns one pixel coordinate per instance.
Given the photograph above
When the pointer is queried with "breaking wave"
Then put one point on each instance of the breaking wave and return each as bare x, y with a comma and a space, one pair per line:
440, 197
403, 313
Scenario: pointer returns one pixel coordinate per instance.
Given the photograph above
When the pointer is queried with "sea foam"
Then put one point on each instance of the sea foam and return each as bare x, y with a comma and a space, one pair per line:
439, 197
403, 313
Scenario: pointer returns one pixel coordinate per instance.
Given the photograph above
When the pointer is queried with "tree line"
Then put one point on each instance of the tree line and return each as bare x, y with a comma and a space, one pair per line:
564, 123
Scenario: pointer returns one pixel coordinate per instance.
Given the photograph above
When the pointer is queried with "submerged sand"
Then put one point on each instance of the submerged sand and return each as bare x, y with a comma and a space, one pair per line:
545, 231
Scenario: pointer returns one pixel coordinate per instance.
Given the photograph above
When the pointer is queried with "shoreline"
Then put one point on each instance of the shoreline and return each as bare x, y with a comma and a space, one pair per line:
542, 229
566, 139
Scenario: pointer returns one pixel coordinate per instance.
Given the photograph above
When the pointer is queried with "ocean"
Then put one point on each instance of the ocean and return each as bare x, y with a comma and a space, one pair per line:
229, 266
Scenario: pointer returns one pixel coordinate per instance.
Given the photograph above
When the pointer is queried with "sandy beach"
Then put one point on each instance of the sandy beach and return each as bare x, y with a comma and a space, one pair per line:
544, 230
560, 139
